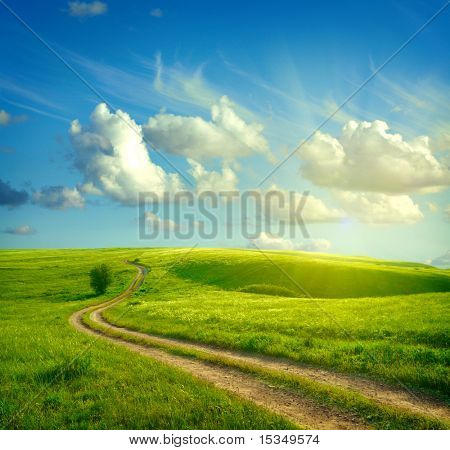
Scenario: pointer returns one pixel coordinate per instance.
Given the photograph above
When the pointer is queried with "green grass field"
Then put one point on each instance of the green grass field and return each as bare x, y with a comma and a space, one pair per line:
381, 319
106, 386
392, 326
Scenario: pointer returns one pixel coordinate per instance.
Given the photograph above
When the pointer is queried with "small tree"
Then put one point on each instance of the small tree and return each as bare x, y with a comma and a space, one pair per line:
100, 278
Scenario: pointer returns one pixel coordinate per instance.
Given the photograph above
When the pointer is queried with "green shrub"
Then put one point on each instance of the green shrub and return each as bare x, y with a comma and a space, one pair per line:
269, 289
100, 278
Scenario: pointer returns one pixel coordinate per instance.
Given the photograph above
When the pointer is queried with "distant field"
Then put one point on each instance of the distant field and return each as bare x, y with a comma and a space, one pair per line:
320, 275
384, 319
42, 386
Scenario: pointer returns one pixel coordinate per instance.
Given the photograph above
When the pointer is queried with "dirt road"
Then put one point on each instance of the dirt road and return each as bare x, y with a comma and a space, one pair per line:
300, 410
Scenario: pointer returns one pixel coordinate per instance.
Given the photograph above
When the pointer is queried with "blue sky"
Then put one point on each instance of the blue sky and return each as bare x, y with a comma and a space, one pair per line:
238, 85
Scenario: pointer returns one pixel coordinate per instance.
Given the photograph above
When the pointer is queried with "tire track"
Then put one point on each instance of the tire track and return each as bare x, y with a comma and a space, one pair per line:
298, 409
301, 411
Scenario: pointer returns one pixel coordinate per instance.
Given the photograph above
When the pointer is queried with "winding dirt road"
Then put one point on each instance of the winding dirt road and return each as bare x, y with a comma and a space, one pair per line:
300, 410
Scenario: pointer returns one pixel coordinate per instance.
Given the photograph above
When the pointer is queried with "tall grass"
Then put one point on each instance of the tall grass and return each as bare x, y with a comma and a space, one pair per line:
54, 377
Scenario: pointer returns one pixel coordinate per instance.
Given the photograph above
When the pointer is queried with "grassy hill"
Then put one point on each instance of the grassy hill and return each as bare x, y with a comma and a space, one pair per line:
229, 298
320, 275
54, 377
238, 299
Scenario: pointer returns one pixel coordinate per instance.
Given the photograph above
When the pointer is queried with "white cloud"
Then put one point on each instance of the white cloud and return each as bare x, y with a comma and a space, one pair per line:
58, 197
157, 82
21, 230
269, 241
114, 160
176, 87
156, 12
378, 208
373, 208
27, 93
367, 157
179, 87
86, 9
315, 245
424, 103
226, 135
210, 180
89, 188
33, 109
284, 204
159, 224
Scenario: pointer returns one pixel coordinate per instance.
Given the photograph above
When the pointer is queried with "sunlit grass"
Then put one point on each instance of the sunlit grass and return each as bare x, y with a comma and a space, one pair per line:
335, 399
398, 339
52, 376
47, 380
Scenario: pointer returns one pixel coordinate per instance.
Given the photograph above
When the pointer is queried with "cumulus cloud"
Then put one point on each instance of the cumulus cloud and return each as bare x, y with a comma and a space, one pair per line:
272, 242
11, 197
284, 204
372, 208
368, 157
226, 135
21, 230
156, 12
86, 9
269, 241
58, 197
89, 188
378, 208
113, 158
210, 180
315, 245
